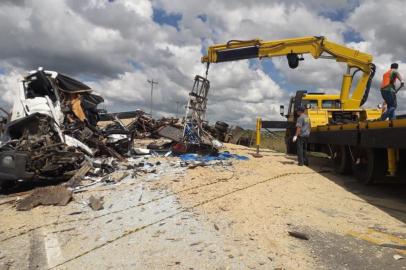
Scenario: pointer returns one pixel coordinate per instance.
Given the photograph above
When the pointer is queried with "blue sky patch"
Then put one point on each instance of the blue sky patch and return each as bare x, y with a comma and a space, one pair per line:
134, 64
202, 17
87, 78
269, 68
161, 17
352, 36
341, 14
337, 15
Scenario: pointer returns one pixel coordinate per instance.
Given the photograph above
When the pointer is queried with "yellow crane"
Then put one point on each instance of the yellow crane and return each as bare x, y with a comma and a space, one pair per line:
294, 48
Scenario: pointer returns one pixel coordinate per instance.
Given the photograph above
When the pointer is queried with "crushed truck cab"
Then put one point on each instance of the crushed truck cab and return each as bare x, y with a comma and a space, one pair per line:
36, 144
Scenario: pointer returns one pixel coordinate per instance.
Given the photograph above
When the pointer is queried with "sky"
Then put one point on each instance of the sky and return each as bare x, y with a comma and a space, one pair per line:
115, 46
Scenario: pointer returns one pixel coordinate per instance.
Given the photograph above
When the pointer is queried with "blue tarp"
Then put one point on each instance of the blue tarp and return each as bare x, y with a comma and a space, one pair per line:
220, 156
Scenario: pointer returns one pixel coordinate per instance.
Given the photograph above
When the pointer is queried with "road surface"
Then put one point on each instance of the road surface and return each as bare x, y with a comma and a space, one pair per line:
227, 216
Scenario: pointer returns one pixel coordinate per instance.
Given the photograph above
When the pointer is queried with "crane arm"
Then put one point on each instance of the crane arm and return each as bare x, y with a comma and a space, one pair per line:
318, 47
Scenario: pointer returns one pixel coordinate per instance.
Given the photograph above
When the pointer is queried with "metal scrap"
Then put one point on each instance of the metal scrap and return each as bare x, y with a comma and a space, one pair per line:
77, 178
115, 177
53, 195
96, 203
3, 120
298, 235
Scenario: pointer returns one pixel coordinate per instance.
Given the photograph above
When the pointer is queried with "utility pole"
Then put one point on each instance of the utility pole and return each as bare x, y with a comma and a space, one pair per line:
152, 82
177, 108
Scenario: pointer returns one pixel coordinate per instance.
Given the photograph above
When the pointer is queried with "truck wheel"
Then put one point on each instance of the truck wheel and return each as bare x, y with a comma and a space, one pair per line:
221, 126
369, 165
341, 159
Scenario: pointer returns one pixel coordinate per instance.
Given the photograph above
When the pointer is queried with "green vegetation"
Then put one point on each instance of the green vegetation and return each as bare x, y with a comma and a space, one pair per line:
274, 140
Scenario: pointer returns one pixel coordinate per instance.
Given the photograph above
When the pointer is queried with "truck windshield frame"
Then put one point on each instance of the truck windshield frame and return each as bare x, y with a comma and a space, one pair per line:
310, 103
331, 104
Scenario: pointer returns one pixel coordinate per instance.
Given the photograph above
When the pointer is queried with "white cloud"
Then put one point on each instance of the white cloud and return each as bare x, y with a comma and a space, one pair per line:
9, 87
119, 46
381, 23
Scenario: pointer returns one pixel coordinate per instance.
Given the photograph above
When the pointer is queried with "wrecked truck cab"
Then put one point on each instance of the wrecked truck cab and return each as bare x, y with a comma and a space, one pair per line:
38, 94
34, 146
34, 150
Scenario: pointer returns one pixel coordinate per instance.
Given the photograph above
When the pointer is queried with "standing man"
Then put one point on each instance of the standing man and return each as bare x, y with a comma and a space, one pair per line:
388, 90
302, 136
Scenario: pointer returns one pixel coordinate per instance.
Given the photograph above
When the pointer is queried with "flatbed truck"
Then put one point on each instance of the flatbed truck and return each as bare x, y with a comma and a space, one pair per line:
354, 137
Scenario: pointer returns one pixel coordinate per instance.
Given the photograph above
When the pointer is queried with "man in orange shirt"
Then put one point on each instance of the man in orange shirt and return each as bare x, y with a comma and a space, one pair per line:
388, 90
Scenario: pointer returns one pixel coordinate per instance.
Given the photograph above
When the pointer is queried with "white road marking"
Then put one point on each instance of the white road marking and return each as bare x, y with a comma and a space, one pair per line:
53, 249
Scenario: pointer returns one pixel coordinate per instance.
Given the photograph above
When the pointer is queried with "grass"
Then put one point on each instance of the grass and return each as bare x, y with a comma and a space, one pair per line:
274, 141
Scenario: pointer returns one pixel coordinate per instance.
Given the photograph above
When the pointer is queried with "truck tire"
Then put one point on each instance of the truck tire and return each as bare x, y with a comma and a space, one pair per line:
221, 126
290, 146
220, 123
341, 159
369, 165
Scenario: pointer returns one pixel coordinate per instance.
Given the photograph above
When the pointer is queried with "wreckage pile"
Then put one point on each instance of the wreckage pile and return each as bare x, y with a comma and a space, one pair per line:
4, 117
54, 132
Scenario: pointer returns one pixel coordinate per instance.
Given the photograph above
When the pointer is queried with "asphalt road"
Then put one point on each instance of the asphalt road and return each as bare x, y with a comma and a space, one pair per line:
227, 216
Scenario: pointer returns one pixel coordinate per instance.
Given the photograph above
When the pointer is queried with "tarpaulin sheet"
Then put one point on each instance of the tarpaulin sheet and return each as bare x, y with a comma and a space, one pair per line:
220, 156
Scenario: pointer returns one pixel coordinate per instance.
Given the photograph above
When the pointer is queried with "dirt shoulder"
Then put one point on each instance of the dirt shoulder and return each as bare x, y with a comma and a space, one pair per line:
260, 200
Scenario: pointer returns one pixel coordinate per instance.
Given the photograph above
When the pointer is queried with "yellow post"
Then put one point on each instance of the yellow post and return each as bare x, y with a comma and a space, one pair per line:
345, 88
392, 163
258, 139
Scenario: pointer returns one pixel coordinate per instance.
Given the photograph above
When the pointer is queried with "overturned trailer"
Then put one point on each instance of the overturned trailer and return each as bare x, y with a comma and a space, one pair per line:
52, 129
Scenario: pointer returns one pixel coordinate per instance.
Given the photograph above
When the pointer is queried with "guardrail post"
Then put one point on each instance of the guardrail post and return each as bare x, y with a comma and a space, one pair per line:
258, 131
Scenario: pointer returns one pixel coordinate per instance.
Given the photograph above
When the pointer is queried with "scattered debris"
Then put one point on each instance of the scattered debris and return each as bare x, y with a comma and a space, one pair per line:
57, 136
115, 177
298, 235
52, 195
96, 203
77, 178
75, 213
141, 151
397, 257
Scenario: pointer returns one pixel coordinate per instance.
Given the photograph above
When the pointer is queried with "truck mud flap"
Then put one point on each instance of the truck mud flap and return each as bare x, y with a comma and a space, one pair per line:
383, 138
339, 137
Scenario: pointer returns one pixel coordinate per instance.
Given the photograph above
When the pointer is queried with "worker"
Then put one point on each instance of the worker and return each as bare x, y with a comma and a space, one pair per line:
389, 91
384, 107
302, 136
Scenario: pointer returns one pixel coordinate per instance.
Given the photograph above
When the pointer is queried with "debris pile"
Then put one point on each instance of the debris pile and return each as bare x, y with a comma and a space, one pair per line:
56, 133
4, 117
142, 125
53, 195
52, 129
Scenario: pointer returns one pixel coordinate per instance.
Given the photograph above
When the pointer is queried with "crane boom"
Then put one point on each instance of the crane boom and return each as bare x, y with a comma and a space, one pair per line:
318, 47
